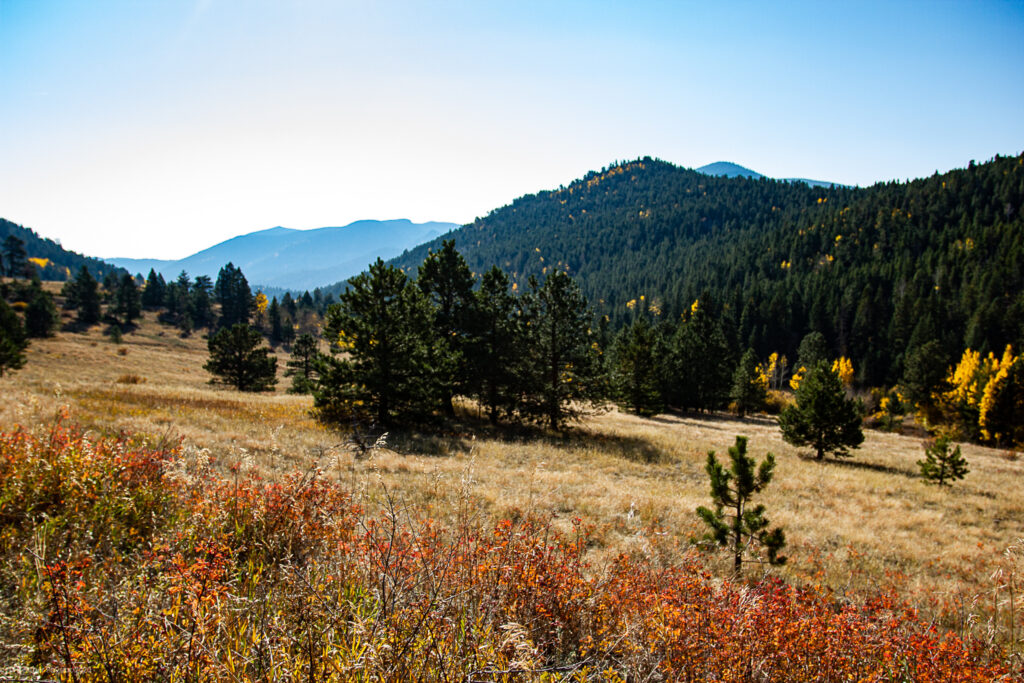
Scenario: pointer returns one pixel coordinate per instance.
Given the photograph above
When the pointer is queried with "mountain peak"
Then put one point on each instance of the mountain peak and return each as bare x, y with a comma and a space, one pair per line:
729, 170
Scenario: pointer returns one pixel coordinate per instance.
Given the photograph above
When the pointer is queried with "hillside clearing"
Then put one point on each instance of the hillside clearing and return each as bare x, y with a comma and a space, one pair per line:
854, 526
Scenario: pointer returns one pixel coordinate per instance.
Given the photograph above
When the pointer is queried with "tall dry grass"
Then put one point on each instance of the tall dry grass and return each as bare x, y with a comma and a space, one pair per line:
854, 527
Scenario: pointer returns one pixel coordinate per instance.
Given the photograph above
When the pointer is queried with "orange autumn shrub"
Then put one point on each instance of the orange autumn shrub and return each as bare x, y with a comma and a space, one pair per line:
121, 562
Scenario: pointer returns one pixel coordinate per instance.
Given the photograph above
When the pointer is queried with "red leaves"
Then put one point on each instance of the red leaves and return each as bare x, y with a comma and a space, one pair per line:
219, 579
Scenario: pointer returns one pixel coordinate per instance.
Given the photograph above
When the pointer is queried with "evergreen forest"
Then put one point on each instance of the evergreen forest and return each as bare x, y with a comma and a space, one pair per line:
878, 271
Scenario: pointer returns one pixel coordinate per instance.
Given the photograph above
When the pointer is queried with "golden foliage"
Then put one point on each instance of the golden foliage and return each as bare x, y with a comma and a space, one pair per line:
261, 303
844, 369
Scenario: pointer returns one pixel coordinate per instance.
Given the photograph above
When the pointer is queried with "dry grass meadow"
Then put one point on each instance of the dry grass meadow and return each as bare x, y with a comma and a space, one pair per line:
855, 527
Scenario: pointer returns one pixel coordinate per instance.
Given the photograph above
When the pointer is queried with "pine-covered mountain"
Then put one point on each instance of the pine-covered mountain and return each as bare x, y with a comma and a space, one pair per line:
52, 261
298, 259
878, 270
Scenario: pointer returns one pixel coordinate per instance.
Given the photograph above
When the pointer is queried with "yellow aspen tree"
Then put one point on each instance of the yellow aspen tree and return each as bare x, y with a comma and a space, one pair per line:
1001, 408
844, 369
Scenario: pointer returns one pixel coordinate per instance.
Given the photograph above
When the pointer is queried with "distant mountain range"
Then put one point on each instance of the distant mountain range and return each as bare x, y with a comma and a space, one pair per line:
299, 259
731, 170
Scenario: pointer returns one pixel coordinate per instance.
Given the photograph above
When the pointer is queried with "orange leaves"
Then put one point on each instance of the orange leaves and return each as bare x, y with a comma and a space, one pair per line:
243, 579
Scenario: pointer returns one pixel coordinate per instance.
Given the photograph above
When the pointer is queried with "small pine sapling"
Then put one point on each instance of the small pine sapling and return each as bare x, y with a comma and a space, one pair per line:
942, 464
733, 489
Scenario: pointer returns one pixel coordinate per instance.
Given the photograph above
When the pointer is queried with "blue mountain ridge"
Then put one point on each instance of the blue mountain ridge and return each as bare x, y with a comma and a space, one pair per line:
731, 170
298, 259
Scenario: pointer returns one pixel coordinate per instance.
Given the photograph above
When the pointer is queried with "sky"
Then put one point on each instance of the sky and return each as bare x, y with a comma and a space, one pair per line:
157, 128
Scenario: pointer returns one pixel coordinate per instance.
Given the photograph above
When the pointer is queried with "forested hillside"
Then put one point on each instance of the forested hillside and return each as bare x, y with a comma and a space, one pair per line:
52, 261
879, 271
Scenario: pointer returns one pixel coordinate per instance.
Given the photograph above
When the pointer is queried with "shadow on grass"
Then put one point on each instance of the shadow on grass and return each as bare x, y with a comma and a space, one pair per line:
458, 436
858, 465
675, 417
76, 327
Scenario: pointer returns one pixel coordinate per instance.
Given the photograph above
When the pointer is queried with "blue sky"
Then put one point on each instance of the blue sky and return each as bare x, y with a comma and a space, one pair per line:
155, 129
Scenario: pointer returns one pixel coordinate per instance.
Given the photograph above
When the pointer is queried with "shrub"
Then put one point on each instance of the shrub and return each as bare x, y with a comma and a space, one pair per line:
144, 565
941, 463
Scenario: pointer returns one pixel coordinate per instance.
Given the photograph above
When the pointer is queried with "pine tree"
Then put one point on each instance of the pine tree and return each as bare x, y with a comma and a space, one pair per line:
201, 301
41, 315
382, 323
234, 296
83, 294
636, 369
14, 256
153, 293
288, 330
924, 374
701, 362
558, 372
496, 347
127, 302
110, 284
237, 358
446, 281
303, 364
813, 350
12, 339
822, 417
274, 319
749, 386
289, 306
733, 489
177, 301
941, 464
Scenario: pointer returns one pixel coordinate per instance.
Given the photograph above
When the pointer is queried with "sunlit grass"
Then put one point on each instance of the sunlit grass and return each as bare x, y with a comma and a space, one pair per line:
853, 527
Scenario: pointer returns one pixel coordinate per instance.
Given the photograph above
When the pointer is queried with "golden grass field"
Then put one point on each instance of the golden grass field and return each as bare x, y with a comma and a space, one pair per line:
854, 526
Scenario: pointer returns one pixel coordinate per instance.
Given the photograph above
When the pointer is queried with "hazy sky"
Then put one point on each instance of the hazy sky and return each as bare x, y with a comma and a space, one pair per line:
155, 128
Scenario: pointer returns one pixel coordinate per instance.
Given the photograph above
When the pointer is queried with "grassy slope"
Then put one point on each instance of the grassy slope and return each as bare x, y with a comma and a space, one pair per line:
852, 526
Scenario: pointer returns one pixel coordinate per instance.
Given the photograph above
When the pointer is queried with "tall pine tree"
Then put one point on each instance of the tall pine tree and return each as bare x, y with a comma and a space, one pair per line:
701, 362
83, 294
41, 315
201, 301
446, 281
153, 293
234, 296
496, 347
12, 339
382, 325
127, 302
559, 369
636, 368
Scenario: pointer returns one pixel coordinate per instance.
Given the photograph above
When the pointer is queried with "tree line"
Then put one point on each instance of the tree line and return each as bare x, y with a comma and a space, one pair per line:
401, 350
